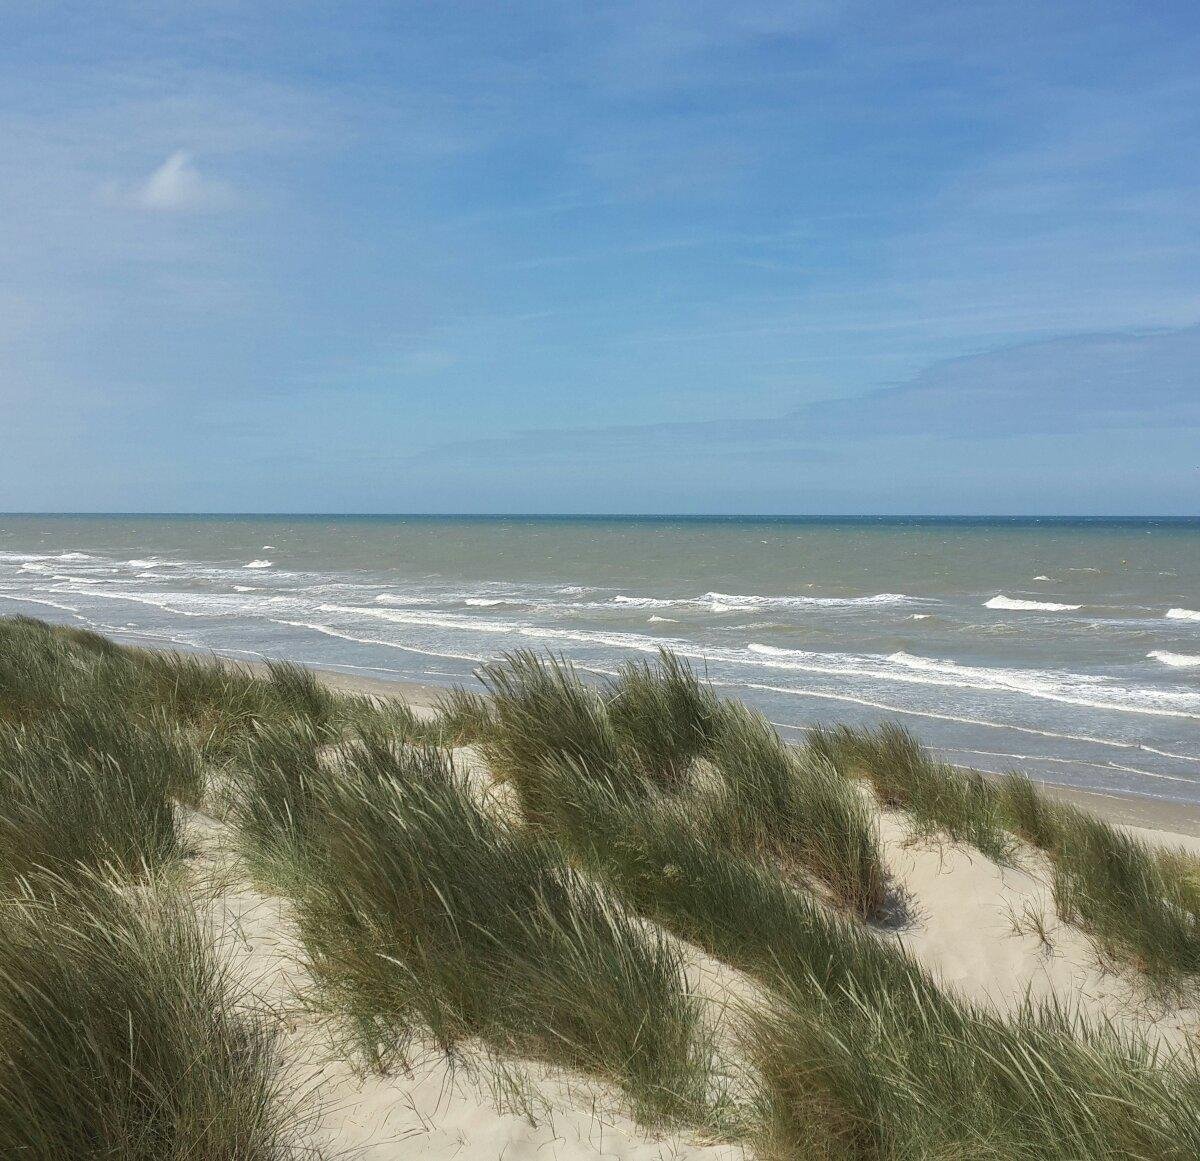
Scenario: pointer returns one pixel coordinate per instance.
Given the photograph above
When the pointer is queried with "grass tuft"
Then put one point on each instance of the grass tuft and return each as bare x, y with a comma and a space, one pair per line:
123, 1038
422, 915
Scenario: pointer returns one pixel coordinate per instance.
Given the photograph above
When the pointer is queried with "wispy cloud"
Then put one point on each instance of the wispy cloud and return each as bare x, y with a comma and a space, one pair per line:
178, 185
175, 186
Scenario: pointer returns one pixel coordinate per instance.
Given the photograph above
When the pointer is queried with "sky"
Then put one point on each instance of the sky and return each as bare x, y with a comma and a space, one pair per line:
813, 257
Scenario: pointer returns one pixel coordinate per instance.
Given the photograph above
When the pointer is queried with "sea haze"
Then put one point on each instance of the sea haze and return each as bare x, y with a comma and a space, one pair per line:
1070, 649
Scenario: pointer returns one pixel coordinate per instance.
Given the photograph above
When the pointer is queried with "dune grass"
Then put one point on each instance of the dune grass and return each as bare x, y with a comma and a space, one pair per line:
1139, 904
423, 916
646, 734
860, 1054
860, 1073
86, 790
798, 809
47, 670
665, 717
938, 798
647, 805
123, 1038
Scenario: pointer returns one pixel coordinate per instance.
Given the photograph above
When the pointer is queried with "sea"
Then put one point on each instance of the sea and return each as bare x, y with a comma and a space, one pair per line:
1069, 649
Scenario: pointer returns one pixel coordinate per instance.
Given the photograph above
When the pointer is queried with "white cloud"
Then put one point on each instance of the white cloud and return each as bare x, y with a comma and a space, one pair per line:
178, 185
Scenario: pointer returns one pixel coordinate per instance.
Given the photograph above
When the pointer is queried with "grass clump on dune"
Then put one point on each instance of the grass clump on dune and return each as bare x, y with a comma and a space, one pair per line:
1139, 903
539, 710
851, 1073
797, 808
122, 1036
665, 716
47, 669
686, 878
939, 798
421, 915
860, 1053
464, 717
643, 736
87, 791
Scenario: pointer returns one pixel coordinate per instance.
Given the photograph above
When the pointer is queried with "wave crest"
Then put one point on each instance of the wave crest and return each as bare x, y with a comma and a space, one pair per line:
1016, 604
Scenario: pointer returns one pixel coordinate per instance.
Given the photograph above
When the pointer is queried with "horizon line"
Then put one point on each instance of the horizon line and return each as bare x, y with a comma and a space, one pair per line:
609, 515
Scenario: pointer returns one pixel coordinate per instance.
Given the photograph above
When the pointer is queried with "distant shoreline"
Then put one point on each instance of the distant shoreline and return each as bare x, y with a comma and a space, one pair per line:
858, 518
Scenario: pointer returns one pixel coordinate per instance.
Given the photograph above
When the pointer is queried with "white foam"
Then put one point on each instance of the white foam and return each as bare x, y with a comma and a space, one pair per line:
1184, 614
661, 620
739, 601
1062, 687
418, 617
258, 564
206, 605
329, 631
646, 602
244, 589
1175, 660
1018, 605
145, 563
920, 616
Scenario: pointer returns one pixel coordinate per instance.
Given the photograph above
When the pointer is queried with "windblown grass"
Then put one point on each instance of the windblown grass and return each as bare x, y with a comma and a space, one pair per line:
1139, 904
540, 710
798, 809
665, 717
421, 915
686, 878
122, 1036
643, 735
47, 670
465, 718
860, 1054
937, 797
90, 789
861, 1073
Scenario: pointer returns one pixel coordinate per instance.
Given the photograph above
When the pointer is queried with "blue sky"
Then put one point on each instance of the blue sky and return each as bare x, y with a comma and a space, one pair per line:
676, 257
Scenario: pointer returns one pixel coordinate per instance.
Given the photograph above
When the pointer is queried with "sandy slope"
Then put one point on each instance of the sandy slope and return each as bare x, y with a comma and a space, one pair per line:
972, 922
435, 1111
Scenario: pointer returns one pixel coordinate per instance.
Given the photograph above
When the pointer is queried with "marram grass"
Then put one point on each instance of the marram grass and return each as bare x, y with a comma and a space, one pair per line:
122, 1037
423, 916
648, 806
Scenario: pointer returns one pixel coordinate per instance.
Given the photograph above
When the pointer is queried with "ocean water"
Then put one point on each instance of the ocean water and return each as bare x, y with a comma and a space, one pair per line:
1069, 649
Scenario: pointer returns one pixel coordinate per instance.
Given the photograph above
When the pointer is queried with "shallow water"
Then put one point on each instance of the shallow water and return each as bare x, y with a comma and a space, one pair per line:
1070, 649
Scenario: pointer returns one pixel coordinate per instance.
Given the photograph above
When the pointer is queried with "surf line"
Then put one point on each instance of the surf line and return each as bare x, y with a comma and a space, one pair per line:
952, 718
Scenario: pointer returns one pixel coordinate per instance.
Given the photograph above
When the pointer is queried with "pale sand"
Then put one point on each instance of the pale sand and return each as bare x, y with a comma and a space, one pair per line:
971, 922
